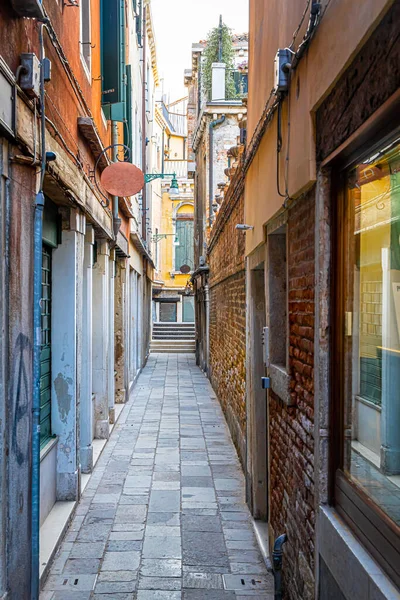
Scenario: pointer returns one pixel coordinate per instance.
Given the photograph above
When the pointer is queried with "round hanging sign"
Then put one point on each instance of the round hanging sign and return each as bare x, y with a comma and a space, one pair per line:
122, 179
185, 269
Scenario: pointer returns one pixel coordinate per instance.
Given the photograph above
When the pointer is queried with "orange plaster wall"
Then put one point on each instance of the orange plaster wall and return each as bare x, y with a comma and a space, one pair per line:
63, 108
344, 29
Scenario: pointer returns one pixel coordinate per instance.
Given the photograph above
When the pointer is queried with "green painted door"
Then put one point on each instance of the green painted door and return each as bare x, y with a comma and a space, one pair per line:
45, 356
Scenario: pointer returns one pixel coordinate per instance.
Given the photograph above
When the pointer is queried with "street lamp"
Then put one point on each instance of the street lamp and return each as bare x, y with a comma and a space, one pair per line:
174, 187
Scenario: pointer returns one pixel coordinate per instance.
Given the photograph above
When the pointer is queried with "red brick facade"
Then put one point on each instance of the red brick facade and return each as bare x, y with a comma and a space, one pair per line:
291, 428
227, 285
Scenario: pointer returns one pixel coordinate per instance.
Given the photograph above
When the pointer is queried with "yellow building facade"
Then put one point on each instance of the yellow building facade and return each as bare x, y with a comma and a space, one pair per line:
173, 222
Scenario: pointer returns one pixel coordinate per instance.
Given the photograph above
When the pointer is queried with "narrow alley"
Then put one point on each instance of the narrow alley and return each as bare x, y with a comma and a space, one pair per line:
199, 300
164, 515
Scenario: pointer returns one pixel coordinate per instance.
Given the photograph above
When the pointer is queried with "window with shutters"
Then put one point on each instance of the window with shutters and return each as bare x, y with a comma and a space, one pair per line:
113, 68
85, 42
51, 238
184, 249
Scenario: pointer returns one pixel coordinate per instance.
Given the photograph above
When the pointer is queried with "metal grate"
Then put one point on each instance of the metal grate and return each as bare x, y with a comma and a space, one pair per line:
45, 356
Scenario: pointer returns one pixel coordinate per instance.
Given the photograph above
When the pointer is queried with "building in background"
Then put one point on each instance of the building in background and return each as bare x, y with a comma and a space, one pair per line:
214, 118
172, 234
97, 267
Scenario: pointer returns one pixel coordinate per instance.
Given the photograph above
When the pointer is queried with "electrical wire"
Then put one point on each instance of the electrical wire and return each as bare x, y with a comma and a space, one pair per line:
65, 63
287, 149
64, 143
23, 185
296, 33
269, 109
62, 121
279, 148
259, 131
324, 10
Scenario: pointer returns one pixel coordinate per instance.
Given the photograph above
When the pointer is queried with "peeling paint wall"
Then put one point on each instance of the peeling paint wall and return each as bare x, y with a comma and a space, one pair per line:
16, 509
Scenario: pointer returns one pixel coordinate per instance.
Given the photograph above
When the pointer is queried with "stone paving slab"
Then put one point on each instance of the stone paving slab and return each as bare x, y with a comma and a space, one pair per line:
163, 516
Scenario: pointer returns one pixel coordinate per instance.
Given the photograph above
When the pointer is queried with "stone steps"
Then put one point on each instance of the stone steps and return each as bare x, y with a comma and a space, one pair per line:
172, 346
174, 332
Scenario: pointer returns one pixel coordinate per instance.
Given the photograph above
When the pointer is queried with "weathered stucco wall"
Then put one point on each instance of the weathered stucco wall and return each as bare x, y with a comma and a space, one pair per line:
19, 399
344, 28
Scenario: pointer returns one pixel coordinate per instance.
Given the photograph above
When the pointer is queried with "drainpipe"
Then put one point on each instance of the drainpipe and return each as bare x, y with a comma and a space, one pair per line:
212, 125
277, 556
162, 152
37, 295
144, 118
114, 141
207, 307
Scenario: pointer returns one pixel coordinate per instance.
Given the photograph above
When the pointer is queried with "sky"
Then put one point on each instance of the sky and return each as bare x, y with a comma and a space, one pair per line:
179, 23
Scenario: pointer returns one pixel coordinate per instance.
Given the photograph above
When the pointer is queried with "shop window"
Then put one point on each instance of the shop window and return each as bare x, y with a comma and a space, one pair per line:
367, 352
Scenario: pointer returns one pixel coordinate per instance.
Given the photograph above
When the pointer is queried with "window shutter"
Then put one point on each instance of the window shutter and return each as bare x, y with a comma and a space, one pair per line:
45, 355
113, 58
184, 254
128, 122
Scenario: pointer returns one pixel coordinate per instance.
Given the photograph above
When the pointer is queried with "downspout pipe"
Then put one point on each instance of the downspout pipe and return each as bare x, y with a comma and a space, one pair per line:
212, 126
207, 311
37, 295
277, 558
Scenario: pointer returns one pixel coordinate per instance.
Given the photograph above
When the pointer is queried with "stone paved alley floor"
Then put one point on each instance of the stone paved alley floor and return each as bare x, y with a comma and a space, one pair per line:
163, 516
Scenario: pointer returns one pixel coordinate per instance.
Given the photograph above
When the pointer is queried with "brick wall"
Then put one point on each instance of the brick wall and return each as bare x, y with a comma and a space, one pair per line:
291, 428
227, 285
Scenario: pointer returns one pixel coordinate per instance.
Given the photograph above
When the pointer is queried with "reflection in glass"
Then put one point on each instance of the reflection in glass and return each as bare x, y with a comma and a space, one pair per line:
372, 329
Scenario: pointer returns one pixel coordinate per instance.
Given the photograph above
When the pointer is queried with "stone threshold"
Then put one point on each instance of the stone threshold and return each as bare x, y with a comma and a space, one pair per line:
54, 527
261, 531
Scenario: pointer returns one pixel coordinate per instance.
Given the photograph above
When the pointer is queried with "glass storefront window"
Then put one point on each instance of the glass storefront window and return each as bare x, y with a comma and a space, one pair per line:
371, 329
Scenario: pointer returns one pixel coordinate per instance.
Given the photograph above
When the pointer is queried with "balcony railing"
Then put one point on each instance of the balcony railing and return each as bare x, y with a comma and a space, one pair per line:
180, 167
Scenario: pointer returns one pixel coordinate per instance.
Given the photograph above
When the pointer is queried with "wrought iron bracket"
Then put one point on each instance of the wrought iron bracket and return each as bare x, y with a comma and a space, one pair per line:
160, 236
151, 176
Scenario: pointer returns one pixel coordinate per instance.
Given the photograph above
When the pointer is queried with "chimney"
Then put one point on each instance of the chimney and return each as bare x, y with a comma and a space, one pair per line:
218, 82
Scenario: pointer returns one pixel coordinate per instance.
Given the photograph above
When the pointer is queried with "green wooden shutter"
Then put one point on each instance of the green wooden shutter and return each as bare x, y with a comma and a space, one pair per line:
128, 122
184, 254
113, 58
45, 355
